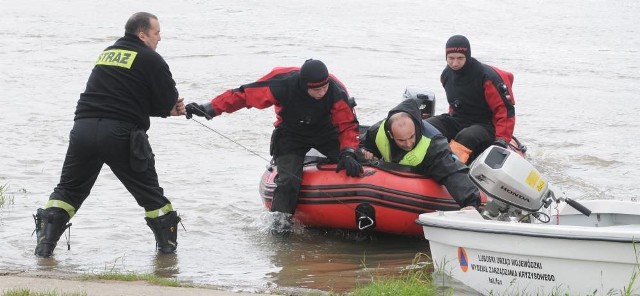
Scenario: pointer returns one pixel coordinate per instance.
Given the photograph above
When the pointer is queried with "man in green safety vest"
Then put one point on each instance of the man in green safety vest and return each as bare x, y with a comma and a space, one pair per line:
404, 138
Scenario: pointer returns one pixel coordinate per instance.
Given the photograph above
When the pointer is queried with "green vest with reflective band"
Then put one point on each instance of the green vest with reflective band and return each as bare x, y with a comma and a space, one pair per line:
412, 158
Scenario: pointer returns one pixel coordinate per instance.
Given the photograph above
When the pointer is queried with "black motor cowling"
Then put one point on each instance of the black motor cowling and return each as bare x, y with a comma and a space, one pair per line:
426, 100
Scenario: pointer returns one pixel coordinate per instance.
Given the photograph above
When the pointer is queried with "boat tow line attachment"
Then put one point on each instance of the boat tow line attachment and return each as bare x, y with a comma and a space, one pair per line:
365, 222
365, 216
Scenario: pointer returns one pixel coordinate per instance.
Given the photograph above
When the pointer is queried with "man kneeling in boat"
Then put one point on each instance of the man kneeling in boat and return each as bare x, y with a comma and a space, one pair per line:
312, 111
404, 138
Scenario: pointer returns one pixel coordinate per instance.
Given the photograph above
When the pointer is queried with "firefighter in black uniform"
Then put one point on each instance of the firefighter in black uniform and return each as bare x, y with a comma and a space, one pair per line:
129, 83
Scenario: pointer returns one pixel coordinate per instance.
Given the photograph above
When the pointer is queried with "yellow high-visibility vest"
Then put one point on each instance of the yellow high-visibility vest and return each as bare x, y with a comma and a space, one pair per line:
412, 158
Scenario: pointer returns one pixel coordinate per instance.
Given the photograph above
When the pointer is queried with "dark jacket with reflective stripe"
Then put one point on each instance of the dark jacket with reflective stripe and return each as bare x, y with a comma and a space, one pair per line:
129, 82
438, 163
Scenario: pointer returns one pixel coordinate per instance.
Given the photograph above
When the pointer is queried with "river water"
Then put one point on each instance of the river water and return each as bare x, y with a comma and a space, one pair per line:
577, 88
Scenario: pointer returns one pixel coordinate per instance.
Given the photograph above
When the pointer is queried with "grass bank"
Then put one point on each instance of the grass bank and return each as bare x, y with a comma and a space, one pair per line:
413, 280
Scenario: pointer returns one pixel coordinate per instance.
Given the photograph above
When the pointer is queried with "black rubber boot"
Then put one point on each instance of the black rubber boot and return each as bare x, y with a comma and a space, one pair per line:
165, 229
281, 223
50, 225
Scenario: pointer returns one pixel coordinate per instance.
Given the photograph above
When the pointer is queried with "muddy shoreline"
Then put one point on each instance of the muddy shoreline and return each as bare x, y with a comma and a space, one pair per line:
61, 282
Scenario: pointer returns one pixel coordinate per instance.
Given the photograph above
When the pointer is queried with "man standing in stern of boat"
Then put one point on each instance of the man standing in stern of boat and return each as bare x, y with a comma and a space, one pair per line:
404, 138
129, 82
481, 103
312, 111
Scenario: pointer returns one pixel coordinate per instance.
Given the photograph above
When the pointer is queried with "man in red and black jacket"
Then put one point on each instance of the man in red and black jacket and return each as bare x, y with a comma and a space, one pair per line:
312, 111
481, 102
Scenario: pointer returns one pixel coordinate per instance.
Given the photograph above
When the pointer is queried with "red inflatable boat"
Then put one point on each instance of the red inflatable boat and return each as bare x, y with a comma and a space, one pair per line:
383, 200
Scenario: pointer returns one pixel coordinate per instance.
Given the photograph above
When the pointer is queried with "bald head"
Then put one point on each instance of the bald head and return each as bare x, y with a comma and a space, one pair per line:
403, 130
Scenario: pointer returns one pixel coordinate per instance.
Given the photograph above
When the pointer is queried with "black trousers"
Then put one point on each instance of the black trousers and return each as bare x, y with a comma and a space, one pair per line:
96, 141
289, 152
475, 136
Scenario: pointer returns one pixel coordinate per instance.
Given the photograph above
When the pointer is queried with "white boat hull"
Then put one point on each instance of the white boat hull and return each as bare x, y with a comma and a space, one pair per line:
572, 254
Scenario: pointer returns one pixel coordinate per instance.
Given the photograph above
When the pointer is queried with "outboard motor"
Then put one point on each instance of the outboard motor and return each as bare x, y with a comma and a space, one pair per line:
426, 100
512, 185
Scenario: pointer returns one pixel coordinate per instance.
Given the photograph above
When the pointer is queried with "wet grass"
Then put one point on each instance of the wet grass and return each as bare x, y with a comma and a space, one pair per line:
636, 273
27, 292
414, 280
629, 289
401, 286
421, 282
132, 277
5, 198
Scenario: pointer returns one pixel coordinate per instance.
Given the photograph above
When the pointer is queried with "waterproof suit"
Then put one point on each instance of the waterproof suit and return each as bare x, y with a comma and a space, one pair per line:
480, 112
302, 122
430, 155
129, 83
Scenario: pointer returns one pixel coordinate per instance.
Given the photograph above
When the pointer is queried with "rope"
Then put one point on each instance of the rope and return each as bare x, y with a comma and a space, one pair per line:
261, 157
231, 140
374, 164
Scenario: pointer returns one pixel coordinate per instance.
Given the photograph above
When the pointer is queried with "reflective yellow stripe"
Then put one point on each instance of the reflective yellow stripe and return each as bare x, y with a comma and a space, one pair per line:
383, 142
417, 154
412, 158
159, 212
117, 57
54, 203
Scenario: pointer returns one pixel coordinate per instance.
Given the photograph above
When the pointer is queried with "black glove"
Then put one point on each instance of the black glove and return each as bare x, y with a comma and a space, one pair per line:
501, 142
349, 163
204, 110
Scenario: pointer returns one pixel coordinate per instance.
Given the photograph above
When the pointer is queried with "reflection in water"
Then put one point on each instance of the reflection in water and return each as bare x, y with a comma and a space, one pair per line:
339, 260
46, 264
444, 283
166, 265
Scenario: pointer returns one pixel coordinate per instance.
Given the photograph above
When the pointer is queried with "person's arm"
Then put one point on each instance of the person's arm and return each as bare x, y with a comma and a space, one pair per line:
344, 119
368, 143
452, 174
253, 95
462, 189
178, 108
243, 97
503, 120
163, 91
444, 79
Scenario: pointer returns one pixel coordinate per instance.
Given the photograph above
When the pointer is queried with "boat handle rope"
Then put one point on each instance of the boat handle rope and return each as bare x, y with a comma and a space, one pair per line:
362, 219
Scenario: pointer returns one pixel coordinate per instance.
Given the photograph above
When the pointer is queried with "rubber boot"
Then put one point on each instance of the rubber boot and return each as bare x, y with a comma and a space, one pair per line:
281, 223
50, 225
165, 229
462, 152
